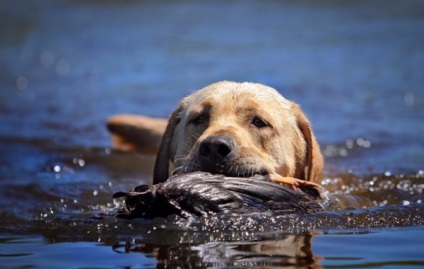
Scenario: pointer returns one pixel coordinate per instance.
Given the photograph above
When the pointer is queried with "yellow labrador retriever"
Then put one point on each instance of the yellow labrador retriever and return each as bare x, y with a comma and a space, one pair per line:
235, 129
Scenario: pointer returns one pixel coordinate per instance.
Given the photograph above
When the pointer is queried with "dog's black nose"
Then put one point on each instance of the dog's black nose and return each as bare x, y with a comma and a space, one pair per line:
217, 147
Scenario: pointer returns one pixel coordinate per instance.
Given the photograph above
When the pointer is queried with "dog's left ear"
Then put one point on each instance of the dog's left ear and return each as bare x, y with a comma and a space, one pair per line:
313, 160
161, 169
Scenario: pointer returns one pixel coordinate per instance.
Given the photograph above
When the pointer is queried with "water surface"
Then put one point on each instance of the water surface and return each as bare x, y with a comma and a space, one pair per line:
355, 67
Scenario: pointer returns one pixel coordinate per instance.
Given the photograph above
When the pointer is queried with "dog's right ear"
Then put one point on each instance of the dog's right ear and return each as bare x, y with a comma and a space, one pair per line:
161, 169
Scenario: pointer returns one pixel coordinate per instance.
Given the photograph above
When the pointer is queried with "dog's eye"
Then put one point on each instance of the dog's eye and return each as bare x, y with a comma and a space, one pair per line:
198, 120
259, 123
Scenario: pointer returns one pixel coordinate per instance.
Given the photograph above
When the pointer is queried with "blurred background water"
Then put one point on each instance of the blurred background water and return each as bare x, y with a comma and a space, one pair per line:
355, 67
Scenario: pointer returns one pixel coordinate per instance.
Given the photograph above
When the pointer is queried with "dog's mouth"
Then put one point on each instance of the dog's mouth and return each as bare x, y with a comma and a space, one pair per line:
220, 154
231, 171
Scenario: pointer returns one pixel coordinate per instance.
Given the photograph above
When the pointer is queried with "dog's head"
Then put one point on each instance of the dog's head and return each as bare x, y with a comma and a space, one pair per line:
239, 129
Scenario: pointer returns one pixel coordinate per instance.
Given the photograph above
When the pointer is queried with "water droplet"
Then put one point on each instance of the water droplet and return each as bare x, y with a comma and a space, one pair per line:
81, 162
22, 83
56, 168
363, 142
366, 144
406, 202
78, 161
95, 192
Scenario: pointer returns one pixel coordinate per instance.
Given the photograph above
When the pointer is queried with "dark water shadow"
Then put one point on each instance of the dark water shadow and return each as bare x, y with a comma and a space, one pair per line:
282, 251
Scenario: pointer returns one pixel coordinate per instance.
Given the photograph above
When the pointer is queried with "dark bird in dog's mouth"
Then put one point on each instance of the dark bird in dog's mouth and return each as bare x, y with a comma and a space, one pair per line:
201, 194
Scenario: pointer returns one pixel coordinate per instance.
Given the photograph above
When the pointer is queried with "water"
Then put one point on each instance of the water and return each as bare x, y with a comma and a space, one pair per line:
355, 67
